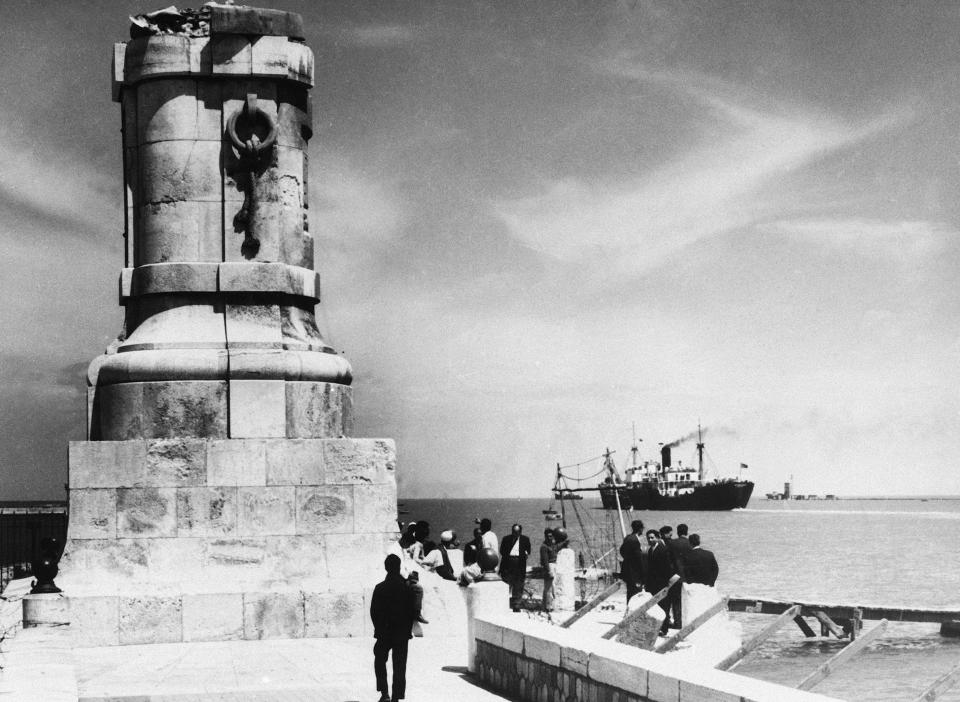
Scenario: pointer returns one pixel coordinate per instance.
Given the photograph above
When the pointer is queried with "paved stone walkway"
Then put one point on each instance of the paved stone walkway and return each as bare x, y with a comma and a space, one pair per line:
289, 670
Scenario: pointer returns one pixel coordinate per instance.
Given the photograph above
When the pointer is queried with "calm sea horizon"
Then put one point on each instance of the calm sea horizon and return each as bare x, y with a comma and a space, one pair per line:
886, 551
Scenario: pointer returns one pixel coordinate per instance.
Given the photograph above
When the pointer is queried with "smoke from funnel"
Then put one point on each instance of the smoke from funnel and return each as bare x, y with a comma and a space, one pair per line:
689, 436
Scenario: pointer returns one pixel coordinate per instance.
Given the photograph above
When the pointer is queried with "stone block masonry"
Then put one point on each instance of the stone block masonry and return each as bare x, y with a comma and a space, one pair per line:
535, 661
215, 539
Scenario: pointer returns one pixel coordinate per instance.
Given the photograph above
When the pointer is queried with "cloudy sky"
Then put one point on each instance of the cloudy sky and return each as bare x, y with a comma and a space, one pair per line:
538, 223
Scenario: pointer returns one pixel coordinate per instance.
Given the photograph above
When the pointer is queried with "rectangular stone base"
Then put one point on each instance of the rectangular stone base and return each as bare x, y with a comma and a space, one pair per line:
207, 540
224, 616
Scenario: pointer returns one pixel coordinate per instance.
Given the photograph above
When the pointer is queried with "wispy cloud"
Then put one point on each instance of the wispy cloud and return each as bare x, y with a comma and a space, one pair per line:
702, 190
377, 36
877, 238
52, 183
349, 205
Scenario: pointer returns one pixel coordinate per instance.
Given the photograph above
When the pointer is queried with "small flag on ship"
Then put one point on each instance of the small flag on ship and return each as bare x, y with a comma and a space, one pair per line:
743, 465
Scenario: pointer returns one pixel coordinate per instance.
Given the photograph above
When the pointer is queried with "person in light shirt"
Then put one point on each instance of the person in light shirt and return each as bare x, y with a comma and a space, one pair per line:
487, 537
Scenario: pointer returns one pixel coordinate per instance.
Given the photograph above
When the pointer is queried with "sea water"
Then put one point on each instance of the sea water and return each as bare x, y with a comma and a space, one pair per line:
894, 553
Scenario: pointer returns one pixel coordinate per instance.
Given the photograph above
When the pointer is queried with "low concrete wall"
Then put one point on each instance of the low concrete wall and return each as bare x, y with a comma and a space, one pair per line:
536, 661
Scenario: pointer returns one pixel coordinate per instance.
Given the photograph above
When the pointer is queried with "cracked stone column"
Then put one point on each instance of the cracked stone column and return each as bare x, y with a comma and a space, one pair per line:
217, 496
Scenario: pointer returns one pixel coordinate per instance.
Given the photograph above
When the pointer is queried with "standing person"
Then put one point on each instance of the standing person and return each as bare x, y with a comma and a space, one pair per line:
701, 564
548, 561
392, 613
681, 545
514, 550
673, 547
659, 571
472, 548
631, 550
488, 538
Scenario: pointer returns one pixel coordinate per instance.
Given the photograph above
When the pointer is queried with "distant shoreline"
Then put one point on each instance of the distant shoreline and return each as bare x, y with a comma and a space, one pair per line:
854, 498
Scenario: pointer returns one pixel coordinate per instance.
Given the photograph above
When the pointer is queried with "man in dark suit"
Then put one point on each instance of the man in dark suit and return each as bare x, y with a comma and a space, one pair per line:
392, 612
679, 548
701, 564
514, 550
659, 570
631, 550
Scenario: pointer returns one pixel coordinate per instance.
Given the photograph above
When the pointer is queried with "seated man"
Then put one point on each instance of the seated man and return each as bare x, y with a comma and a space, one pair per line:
446, 560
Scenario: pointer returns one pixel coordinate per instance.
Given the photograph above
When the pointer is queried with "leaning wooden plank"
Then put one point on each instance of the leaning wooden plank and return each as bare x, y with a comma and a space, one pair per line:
580, 613
848, 652
737, 656
941, 685
804, 627
830, 625
709, 613
639, 612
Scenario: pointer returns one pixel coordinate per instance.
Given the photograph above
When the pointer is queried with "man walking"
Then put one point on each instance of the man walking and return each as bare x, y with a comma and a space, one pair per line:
514, 550
701, 564
392, 612
631, 550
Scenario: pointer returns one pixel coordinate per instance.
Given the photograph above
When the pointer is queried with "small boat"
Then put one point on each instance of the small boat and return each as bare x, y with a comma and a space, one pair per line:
551, 515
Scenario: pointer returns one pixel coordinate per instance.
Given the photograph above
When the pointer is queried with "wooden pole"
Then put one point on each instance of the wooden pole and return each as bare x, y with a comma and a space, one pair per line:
737, 656
708, 614
828, 625
940, 685
633, 616
804, 627
580, 613
848, 652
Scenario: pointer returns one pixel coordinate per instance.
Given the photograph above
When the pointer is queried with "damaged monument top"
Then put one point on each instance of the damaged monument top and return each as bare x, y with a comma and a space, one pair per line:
217, 18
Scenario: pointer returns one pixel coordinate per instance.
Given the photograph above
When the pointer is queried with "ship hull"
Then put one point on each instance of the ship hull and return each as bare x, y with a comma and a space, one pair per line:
726, 495
609, 500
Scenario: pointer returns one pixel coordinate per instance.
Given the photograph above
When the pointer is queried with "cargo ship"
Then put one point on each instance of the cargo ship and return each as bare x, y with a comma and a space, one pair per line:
650, 485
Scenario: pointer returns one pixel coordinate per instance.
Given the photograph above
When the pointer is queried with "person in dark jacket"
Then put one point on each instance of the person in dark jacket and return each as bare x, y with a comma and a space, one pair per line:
631, 550
701, 564
660, 569
472, 548
392, 611
681, 546
678, 548
514, 550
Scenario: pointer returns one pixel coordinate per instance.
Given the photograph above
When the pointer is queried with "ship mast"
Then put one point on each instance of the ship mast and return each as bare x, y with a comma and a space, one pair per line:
700, 451
608, 463
634, 449
558, 493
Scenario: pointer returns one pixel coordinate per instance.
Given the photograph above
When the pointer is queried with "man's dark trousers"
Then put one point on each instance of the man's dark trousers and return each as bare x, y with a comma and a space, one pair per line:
380, 651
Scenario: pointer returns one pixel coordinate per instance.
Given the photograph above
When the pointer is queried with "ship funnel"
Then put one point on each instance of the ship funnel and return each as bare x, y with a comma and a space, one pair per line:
665, 456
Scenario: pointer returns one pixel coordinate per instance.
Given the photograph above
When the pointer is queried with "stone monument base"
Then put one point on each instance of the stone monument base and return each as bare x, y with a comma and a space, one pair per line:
203, 540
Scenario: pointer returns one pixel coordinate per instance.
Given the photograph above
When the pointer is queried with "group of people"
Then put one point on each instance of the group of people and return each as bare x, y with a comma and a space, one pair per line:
652, 558
396, 604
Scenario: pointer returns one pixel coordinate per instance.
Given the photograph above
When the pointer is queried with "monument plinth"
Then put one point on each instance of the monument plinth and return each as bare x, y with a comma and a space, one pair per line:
217, 495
